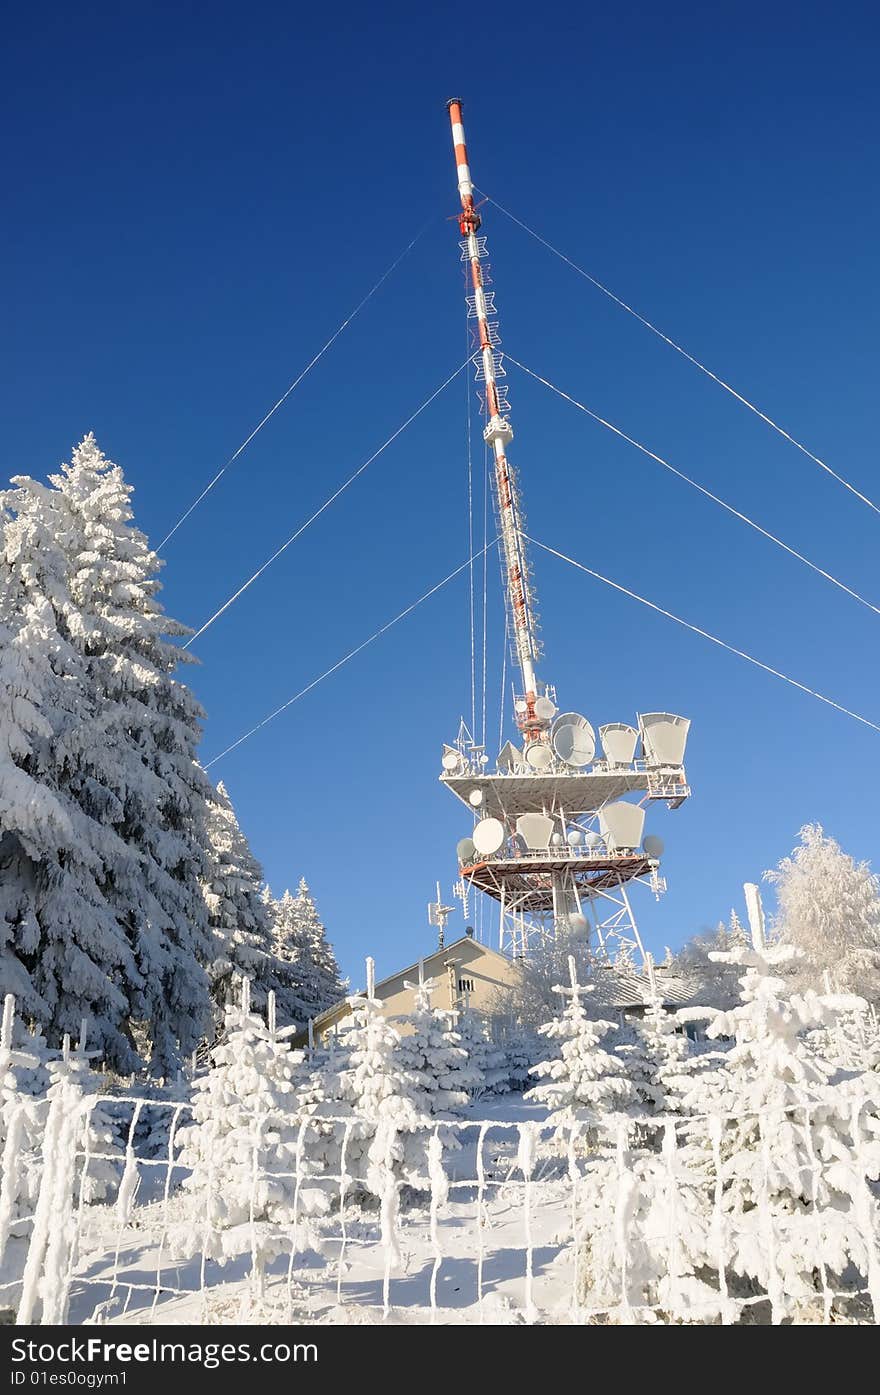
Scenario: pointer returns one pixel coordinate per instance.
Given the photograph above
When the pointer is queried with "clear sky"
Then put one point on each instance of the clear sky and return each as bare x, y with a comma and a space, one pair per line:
197, 195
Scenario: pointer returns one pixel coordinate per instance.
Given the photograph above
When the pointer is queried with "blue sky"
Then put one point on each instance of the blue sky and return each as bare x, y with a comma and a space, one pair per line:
198, 195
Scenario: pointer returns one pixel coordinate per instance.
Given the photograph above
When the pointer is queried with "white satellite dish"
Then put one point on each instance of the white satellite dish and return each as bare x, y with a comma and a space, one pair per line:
622, 824
466, 850
574, 837
664, 737
653, 846
452, 759
574, 740
545, 709
539, 756
577, 923
521, 706
618, 742
556, 840
475, 798
536, 830
592, 839
489, 836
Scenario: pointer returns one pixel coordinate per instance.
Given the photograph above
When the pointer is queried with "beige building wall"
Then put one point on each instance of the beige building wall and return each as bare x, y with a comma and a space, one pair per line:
463, 970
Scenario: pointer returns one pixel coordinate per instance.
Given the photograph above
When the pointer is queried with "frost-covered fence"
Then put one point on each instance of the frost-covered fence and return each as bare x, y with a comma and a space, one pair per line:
656, 1219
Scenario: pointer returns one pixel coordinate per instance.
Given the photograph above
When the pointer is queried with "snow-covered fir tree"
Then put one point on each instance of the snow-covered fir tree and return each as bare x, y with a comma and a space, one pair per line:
583, 1083
241, 1145
489, 1063
798, 1150
239, 915
828, 907
433, 1054
103, 908
382, 1106
522, 1048
307, 964
655, 1057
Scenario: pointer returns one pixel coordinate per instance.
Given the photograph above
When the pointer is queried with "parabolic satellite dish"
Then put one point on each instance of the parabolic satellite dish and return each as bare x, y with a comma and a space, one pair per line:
574, 837
545, 709
622, 824
574, 740
475, 798
466, 850
539, 756
618, 742
535, 829
489, 836
653, 845
592, 839
664, 737
451, 759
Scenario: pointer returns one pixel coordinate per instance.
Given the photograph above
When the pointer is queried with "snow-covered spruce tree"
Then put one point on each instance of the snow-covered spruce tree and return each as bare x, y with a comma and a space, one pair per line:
655, 1058
306, 958
109, 920
325, 985
488, 1061
241, 1145
384, 1111
239, 915
432, 1053
522, 1048
583, 1084
828, 907
55, 924
797, 1152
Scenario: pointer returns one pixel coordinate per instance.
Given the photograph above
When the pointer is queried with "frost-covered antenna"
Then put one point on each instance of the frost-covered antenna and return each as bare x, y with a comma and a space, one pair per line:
311, 1035
371, 977
83, 1034
558, 836
438, 914
246, 996
520, 601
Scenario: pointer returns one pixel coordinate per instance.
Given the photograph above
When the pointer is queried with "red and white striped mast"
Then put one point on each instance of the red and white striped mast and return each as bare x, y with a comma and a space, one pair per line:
498, 433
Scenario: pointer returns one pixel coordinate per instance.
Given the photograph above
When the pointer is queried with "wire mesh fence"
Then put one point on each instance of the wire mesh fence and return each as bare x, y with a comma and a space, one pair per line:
707, 1219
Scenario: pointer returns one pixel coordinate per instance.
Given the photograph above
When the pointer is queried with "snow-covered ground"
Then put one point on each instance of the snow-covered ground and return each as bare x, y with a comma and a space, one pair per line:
498, 1252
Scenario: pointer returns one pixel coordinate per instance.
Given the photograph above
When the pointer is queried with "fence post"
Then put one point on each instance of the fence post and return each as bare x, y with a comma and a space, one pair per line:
755, 910
48, 1259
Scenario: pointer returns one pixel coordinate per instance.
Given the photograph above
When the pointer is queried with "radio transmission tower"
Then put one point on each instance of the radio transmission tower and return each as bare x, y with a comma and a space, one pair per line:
558, 833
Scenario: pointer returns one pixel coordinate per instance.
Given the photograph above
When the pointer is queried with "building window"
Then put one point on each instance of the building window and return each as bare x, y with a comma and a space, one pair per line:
465, 985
